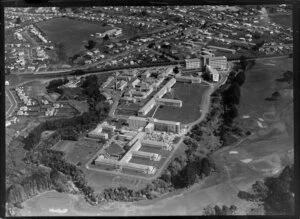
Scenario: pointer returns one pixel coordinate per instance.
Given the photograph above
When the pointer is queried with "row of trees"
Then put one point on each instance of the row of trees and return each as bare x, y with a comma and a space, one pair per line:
217, 210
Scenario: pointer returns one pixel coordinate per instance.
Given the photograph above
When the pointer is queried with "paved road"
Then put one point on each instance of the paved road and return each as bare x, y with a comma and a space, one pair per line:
13, 102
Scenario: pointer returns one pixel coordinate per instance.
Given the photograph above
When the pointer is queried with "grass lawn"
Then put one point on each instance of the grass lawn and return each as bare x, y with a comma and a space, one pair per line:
66, 110
81, 106
72, 33
191, 96
134, 173
103, 76
129, 109
260, 83
284, 20
35, 89
154, 150
101, 180
78, 151
148, 162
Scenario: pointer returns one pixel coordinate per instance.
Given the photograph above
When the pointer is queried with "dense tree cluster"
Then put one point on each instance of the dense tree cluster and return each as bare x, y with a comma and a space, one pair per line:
66, 129
18, 20
106, 37
95, 99
216, 210
275, 193
176, 70
258, 45
40, 180
91, 45
56, 162
54, 85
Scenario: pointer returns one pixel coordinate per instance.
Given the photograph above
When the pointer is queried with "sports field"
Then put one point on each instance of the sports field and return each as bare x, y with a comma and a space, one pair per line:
191, 96
35, 88
74, 34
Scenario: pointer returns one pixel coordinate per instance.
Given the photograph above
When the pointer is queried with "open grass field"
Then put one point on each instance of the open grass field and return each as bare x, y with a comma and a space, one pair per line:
135, 173
148, 162
284, 20
63, 146
154, 150
191, 96
81, 106
66, 110
35, 88
78, 151
129, 109
74, 34
101, 180
260, 83
103, 76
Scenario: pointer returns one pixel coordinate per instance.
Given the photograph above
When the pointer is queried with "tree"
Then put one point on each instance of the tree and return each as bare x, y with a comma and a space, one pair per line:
18, 20
78, 72
243, 62
206, 76
260, 189
106, 37
275, 94
91, 44
144, 13
209, 210
218, 210
240, 78
258, 45
232, 95
66, 80
256, 35
7, 71
205, 166
225, 210
176, 70
166, 176
151, 45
